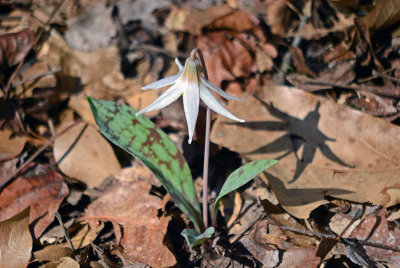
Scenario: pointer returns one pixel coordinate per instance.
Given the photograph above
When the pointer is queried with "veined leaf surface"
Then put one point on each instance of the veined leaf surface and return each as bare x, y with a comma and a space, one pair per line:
141, 138
243, 175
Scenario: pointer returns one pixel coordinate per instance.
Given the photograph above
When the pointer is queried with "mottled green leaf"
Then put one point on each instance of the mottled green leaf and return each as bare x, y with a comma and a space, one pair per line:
243, 175
141, 138
194, 238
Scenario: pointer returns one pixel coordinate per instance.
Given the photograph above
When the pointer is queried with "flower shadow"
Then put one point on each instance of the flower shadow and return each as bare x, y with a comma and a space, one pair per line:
298, 132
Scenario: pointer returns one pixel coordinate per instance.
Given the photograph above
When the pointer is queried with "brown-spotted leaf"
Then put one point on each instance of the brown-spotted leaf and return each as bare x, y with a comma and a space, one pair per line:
39, 187
324, 148
132, 206
15, 241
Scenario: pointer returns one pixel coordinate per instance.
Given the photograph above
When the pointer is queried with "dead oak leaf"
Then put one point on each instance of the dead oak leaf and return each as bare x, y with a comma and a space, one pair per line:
324, 149
15, 241
39, 187
130, 205
226, 55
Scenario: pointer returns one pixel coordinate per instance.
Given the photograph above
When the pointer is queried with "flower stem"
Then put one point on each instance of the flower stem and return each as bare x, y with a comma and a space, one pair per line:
206, 144
205, 168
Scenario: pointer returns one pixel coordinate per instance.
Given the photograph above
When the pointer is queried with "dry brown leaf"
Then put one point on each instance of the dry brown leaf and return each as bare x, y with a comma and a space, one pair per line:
130, 205
15, 241
194, 20
36, 76
278, 15
82, 153
142, 99
272, 234
65, 262
15, 46
300, 258
299, 62
373, 104
226, 55
250, 213
324, 149
7, 170
377, 229
89, 73
100, 70
84, 236
238, 21
53, 253
383, 14
265, 53
10, 146
268, 256
39, 187
230, 207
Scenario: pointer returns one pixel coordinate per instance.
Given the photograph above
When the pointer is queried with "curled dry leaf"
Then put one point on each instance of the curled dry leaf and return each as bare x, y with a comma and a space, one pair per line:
226, 55
324, 149
278, 15
10, 146
82, 153
39, 187
84, 236
132, 206
15, 46
15, 241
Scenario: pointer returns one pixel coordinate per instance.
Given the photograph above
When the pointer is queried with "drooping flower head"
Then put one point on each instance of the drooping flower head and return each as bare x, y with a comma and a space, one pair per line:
192, 86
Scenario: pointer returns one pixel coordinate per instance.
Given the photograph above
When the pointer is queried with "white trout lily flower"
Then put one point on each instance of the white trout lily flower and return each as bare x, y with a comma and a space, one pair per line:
193, 87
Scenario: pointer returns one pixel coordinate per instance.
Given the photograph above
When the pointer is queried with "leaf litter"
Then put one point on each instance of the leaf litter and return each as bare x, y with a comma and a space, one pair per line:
332, 122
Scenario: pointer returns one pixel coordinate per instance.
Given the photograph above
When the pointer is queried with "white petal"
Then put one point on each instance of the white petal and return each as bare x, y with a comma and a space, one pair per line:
167, 81
191, 102
212, 102
218, 90
169, 96
177, 62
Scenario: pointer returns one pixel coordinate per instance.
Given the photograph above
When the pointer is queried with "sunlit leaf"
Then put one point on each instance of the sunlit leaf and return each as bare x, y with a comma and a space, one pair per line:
243, 175
139, 137
194, 238
15, 241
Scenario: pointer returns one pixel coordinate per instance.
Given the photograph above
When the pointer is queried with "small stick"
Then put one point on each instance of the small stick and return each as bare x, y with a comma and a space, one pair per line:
206, 147
333, 236
58, 216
